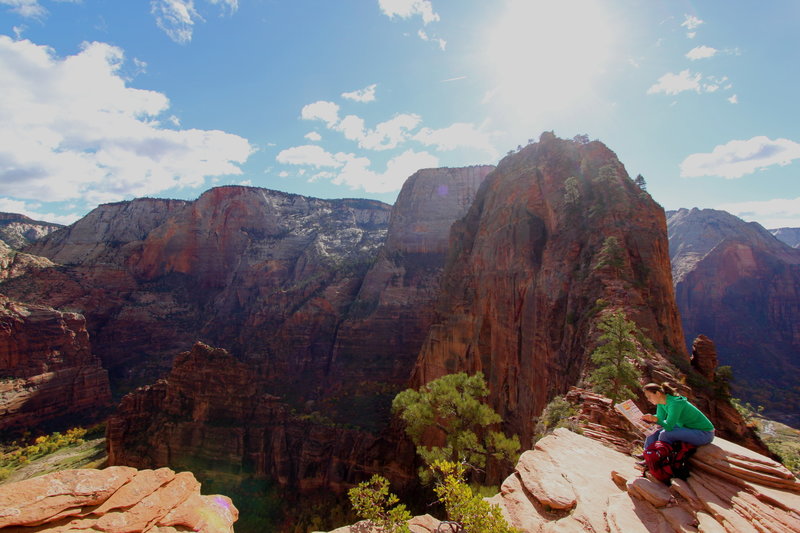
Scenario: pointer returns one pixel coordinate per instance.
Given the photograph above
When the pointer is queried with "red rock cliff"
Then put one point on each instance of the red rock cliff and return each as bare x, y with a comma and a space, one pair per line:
525, 272
211, 414
740, 286
48, 373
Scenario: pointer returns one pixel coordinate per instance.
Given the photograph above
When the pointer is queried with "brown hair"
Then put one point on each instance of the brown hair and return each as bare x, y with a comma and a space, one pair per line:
665, 387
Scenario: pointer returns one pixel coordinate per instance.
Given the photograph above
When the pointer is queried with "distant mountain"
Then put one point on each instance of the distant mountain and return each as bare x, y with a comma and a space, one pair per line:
738, 284
19, 231
790, 236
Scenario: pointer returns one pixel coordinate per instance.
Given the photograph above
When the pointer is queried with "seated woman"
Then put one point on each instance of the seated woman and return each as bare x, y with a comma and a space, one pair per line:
680, 420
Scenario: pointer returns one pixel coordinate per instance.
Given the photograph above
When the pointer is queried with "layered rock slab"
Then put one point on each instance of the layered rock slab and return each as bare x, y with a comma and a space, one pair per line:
596, 488
48, 372
611, 495
117, 499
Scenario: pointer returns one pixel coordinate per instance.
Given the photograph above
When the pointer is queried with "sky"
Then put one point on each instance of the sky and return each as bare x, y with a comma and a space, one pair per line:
108, 100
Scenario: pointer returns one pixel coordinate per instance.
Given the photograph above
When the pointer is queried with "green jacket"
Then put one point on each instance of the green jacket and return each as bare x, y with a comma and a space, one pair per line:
678, 412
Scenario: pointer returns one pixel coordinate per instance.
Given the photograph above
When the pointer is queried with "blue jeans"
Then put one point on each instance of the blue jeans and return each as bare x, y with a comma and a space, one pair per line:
697, 437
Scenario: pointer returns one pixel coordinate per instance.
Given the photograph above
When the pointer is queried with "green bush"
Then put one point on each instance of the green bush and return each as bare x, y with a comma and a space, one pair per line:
372, 501
470, 510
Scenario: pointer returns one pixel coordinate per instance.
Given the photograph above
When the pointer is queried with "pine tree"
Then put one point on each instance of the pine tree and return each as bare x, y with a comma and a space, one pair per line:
616, 376
454, 405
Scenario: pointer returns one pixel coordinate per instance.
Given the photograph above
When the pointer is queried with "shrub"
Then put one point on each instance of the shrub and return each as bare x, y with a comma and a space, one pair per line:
372, 501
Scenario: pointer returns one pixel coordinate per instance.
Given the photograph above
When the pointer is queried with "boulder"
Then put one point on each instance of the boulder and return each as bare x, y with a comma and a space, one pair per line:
117, 499
730, 489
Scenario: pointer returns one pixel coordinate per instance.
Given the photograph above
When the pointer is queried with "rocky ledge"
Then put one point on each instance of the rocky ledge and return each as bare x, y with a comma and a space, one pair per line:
118, 499
571, 483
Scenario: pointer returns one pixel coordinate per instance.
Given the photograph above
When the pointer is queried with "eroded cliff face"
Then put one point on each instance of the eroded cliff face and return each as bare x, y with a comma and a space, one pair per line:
740, 286
211, 414
266, 274
18, 231
323, 305
48, 372
526, 270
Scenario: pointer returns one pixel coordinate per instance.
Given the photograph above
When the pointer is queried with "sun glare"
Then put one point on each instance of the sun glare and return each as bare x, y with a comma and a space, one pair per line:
546, 55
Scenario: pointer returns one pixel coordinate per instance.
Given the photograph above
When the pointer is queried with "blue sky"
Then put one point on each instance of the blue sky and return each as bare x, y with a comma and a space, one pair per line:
106, 100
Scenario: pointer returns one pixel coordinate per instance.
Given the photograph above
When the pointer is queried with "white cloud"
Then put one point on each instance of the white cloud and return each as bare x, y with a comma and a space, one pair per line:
458, 135
327, 112
701, 52
422, 34
776, 213
313, 136
737, 158
30, 8
385, 136
409, 8
73, 129
25, 8
691, 23
734, 99
353, 171
177, 17
367, 94
308, 154
389, 134
673, 84
356, 174
34, 211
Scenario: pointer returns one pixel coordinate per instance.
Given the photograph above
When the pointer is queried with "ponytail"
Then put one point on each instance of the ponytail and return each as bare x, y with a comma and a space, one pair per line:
669, 389
665, 388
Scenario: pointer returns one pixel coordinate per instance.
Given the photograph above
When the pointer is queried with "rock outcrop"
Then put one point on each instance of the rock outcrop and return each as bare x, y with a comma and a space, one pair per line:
380, 339
117, 499
212, 414
48, 373
18, 231
570, 482
740, 286
14, 264
556, 233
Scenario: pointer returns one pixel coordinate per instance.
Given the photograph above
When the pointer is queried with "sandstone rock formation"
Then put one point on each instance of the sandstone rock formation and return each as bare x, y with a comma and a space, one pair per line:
570, 482
526, 270
18, 231
48, 372
212, 413
790, 236
324, 303
14, 264
266, 274
115, 500
380, 339
740, 286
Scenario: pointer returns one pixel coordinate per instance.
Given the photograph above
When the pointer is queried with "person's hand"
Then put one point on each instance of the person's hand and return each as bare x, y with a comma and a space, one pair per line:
650, 418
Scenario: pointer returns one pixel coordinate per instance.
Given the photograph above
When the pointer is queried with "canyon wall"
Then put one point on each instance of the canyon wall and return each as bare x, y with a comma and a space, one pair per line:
48, 373
740, 286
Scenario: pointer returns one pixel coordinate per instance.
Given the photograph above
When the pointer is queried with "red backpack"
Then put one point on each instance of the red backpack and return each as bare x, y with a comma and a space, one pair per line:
665, 461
